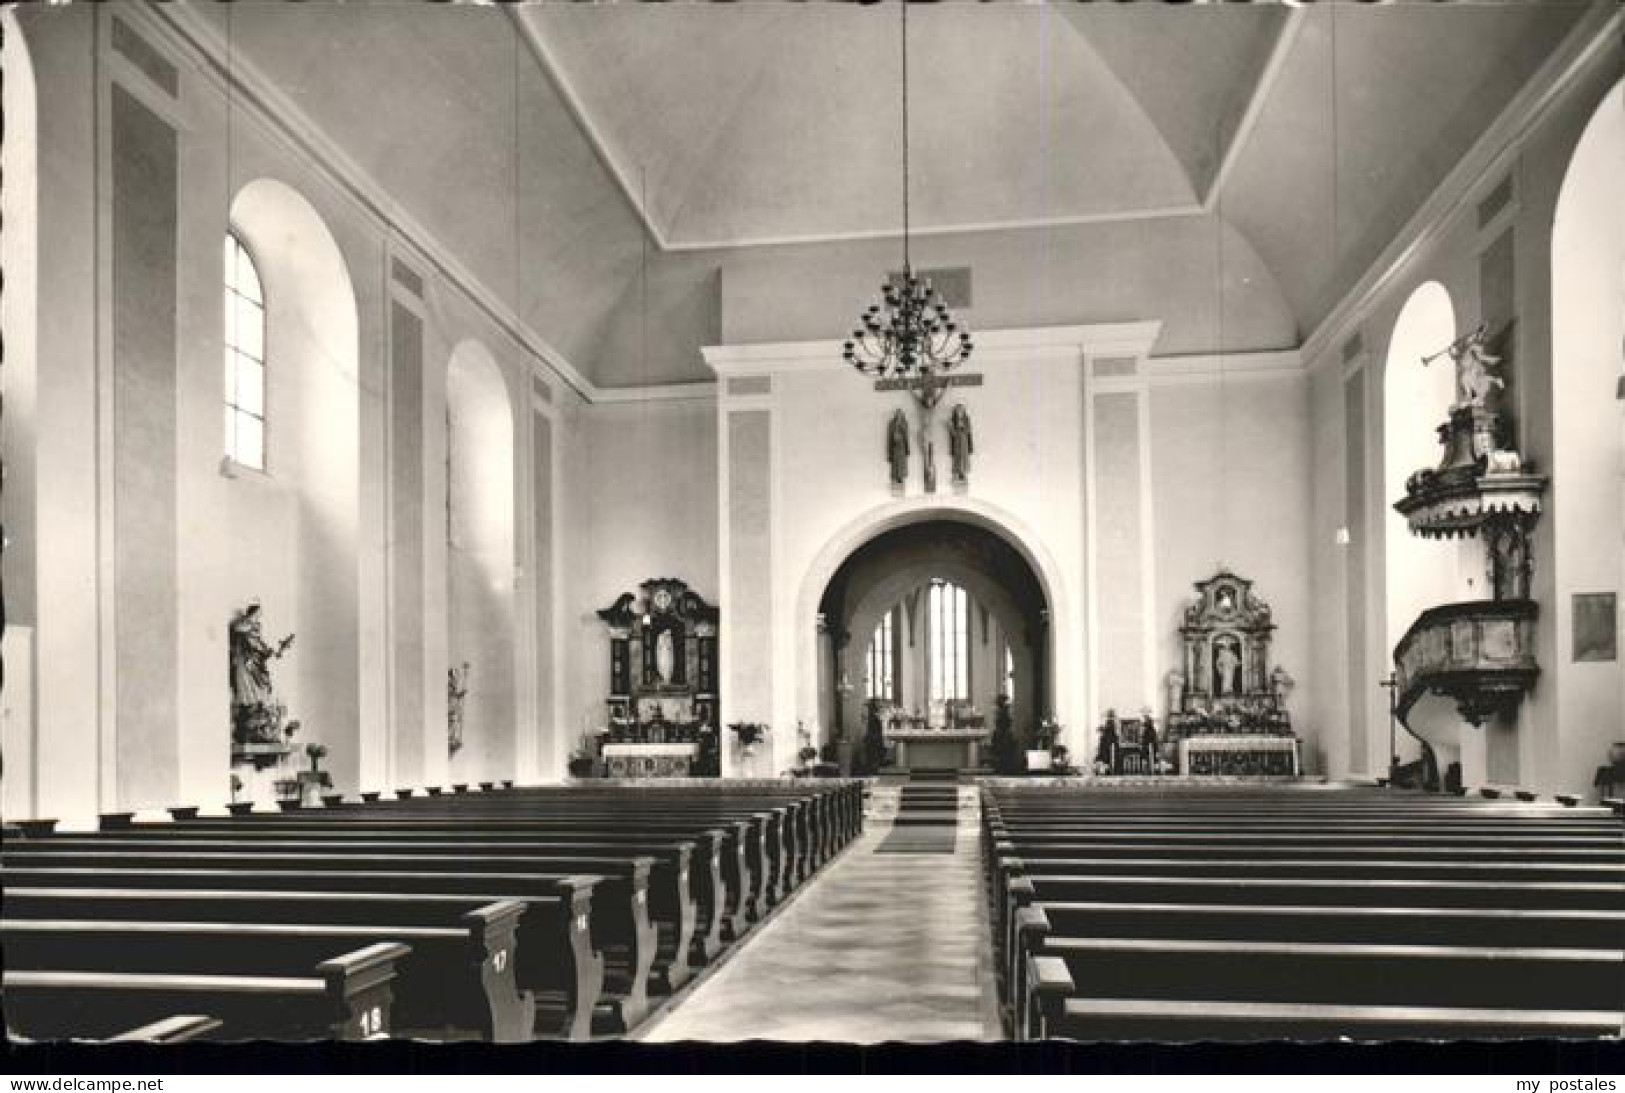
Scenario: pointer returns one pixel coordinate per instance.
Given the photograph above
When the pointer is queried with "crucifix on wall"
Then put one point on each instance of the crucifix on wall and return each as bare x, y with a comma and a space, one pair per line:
927, 391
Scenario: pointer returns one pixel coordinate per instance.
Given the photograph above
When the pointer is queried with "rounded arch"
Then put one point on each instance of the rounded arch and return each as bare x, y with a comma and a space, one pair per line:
1416, 402
296, 527
480, 566
1066, 641
877, 598
1587, 492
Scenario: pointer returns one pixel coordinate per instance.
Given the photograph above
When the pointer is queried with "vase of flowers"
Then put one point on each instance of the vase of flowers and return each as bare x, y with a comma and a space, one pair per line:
748, 734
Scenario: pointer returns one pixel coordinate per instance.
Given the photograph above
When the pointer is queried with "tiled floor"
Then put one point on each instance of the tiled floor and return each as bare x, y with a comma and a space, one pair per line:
878, 947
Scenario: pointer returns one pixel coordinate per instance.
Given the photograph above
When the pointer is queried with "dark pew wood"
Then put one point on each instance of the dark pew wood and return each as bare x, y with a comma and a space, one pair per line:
619, 921
1327, 973
555, 963
661, 893
458, 982
1059, 1013
346, 997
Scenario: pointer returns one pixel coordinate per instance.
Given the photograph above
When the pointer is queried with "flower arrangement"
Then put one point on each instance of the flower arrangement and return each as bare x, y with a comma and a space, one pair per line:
749, 733
316, 752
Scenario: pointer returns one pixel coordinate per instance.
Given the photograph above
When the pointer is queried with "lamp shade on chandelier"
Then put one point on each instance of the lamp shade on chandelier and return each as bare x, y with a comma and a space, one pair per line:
910, 334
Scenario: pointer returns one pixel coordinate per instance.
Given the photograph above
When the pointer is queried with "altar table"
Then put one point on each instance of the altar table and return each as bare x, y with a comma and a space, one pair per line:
649, 760
937, 749
1239, 754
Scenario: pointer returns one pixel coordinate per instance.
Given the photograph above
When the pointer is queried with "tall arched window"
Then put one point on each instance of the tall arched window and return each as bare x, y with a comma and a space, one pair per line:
949, 645
881, 682
245, 358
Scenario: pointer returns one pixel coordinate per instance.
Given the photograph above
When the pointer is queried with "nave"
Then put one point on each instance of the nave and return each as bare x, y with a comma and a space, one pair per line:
796, 913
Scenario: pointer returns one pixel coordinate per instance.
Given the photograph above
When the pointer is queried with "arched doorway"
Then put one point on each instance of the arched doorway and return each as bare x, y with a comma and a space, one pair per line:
934, 618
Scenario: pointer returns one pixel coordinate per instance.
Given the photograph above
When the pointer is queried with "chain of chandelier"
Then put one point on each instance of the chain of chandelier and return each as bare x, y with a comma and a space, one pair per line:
910, 333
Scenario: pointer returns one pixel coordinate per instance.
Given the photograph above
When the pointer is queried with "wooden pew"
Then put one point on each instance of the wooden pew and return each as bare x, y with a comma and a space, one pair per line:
1059, 1012
551, 959
618, 919
619, 922
345, 997
459, 981
707, 886
751, 856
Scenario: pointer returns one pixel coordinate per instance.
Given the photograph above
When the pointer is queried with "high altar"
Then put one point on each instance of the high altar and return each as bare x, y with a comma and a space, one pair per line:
1227, 713
662, 681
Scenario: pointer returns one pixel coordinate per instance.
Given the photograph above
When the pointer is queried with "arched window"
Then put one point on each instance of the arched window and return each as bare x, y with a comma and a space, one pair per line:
948, 648
245, 358
881, 681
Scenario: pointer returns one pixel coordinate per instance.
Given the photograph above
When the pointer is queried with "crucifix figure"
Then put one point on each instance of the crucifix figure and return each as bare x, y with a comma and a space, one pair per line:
928, 451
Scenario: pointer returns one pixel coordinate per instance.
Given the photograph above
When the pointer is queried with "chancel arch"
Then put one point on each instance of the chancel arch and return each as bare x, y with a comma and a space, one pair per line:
288, 529
1058, 673
480, 568
895, 575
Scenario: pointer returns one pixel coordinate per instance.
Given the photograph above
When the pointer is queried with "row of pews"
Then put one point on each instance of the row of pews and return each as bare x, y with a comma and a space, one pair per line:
504, 915
1307, 913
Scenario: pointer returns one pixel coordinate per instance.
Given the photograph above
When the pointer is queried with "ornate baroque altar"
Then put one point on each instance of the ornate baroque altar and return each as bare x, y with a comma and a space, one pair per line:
1227, 713
662, 680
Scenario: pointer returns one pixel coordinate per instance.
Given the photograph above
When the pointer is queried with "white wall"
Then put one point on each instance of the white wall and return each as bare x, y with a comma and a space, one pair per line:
1231, 472
1588, 460
1031, 480
310, 538
646, 506
1564, 724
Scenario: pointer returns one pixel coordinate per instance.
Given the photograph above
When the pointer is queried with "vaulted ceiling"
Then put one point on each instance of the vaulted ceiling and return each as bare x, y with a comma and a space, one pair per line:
548, 145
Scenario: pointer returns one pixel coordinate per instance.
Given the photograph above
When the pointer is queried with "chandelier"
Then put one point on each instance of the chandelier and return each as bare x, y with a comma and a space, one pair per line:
910, 334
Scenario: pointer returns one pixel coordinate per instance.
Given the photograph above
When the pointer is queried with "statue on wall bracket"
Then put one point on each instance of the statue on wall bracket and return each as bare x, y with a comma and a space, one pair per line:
897, 448
961, 442
256, 714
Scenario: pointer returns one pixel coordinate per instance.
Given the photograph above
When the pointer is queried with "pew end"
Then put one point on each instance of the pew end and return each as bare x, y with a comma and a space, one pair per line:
1049, 985
358, 984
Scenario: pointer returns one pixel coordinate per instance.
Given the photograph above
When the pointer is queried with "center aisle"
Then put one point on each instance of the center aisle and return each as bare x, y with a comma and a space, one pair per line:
882, 946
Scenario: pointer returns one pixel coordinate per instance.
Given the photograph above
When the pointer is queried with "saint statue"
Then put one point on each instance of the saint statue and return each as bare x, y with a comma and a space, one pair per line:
961, 443
1226, 670
665, 656
456, 692
1175, 682
897, 448
255, 712
928, 452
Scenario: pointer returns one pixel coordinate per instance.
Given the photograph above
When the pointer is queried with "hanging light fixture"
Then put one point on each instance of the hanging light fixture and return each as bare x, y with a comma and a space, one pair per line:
910, 334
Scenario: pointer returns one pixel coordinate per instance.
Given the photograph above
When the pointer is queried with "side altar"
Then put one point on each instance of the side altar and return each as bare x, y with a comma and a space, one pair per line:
1226, 703
662, 704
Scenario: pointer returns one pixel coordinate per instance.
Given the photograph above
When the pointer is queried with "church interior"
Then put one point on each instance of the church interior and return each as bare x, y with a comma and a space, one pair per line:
892, 522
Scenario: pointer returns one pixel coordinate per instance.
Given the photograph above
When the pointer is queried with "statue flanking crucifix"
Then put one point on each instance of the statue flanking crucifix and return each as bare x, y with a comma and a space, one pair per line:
928, 391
